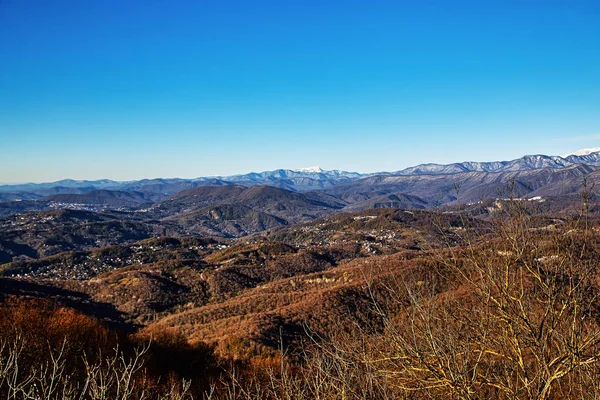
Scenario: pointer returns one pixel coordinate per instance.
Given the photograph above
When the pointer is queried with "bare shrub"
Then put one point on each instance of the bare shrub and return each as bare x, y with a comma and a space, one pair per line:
519, 323
514, 316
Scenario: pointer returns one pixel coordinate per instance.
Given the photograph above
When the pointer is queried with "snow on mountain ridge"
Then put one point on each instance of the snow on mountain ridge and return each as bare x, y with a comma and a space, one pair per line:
310, 169
584, 152
528, 162
309, 178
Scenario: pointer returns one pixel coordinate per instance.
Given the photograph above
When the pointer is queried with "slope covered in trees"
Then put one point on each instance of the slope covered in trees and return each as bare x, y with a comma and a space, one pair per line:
378, 304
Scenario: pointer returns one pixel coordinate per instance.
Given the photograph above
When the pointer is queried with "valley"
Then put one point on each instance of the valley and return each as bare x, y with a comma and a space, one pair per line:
247, 271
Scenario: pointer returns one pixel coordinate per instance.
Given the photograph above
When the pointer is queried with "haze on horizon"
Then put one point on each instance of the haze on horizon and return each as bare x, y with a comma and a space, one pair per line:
143, 89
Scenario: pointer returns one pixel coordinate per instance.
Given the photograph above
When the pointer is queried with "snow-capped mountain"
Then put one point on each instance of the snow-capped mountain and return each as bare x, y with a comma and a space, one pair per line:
525, 163
295, 180
303, 179
583, 152
592, 158
309, 169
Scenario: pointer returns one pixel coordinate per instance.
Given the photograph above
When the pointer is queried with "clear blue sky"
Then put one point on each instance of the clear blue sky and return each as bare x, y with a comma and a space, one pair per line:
130, 89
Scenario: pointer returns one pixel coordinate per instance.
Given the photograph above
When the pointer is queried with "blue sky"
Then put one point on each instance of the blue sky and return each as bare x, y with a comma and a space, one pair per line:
131, 89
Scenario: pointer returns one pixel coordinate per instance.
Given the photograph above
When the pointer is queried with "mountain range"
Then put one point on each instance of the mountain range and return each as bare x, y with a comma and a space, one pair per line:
38, 220
255, 263
521, 164
305, 179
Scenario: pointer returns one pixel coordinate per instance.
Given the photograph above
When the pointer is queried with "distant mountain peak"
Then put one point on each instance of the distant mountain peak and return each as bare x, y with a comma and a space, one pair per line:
584, 152
310, 169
